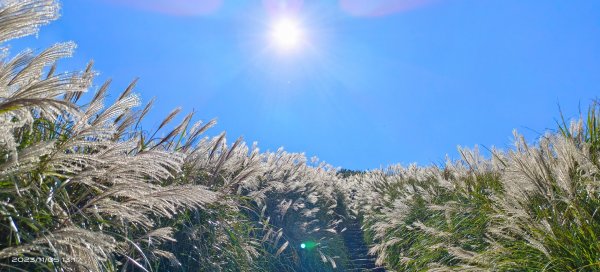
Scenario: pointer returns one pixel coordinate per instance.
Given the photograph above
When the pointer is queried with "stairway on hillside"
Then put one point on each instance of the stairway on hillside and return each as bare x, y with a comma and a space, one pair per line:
358, 252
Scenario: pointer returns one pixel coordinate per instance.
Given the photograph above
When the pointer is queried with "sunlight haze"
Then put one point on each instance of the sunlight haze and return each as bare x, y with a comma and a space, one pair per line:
358, 85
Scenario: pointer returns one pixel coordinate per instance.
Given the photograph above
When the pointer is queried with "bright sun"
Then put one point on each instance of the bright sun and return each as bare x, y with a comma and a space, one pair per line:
286, 34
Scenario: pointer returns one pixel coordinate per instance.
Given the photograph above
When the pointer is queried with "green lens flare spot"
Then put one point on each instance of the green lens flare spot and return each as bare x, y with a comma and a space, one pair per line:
308, 245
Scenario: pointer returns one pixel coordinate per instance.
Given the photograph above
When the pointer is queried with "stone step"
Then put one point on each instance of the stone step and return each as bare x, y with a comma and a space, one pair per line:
357, 249
358, 252
355, 244
352, 230
376, 269
358, 262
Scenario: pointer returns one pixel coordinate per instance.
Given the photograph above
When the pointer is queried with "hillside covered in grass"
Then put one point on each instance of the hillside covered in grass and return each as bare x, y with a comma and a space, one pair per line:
84, 188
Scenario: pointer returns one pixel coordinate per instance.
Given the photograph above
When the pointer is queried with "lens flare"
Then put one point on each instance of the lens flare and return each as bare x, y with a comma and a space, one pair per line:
375, 8
173, 7
286, 6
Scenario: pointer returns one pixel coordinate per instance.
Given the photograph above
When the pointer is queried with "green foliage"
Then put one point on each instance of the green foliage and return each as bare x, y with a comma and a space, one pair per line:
534, 208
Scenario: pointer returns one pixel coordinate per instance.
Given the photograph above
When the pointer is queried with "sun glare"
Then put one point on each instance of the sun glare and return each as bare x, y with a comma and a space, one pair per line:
286, 34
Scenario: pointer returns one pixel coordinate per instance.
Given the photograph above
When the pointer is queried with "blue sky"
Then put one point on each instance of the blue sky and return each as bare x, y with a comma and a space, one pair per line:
370, 86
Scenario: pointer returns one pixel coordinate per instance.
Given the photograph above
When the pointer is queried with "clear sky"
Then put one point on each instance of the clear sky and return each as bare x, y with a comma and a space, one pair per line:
366, 85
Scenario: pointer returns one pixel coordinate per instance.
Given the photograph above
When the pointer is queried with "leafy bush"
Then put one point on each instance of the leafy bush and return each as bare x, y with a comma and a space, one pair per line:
533, 208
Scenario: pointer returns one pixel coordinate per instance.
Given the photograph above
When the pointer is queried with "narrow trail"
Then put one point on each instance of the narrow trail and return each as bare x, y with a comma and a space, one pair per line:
357, 249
